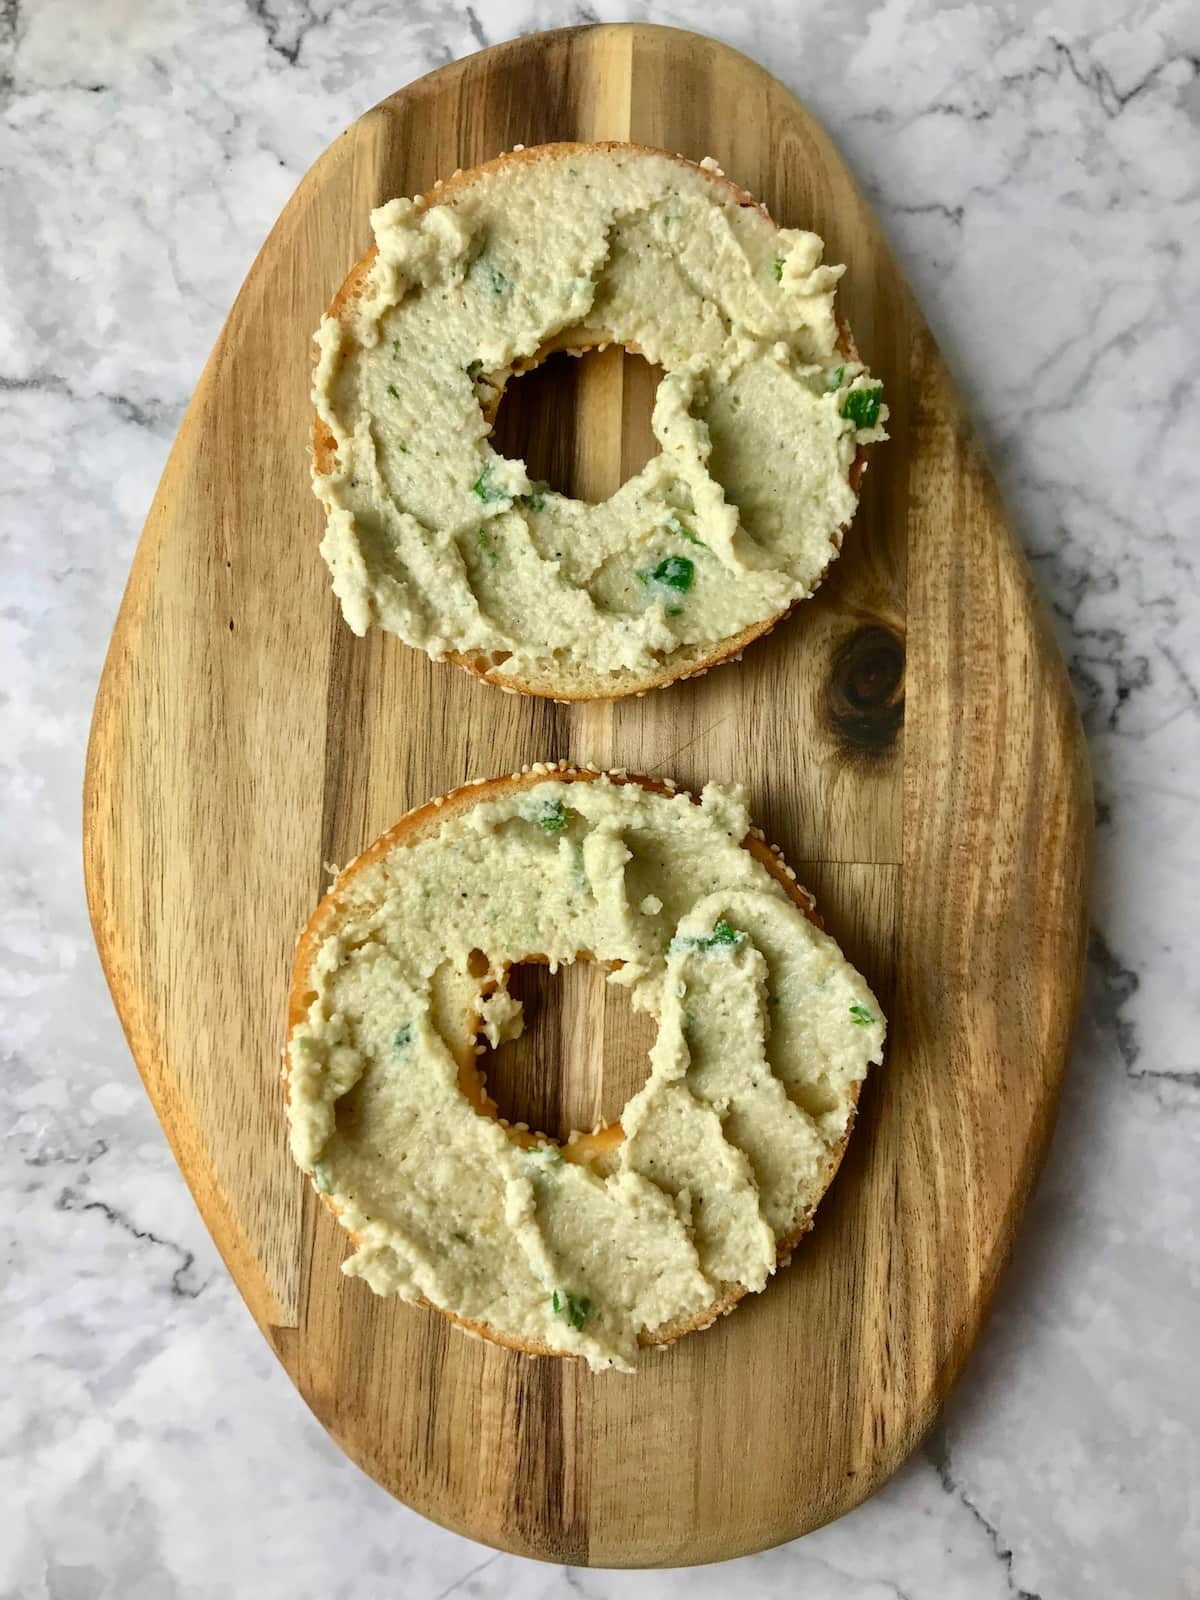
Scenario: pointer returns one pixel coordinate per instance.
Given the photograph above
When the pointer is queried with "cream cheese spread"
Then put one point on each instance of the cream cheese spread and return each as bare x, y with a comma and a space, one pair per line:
435, 537
765, 1032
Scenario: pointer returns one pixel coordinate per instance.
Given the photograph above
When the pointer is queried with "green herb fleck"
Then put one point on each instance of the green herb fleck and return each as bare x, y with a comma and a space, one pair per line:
402, 1036
393, 391
536, 498
861, 1016
488, 490
681, 530
551, 816
487, 272
491, 554
579, 1310
673, 572
723, 937
395, 347
460, 1237
777, 269
474, 370
576, 1308
320, 1179
834, 377
550, 1154
861, 406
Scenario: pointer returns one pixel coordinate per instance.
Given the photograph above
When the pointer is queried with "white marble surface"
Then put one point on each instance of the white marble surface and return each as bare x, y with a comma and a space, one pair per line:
1038, 168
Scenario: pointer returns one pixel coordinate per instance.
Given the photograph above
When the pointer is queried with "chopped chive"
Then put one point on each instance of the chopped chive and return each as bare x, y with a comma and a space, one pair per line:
491, 554
861, 406
777, 269
861, 1016
580, 1309
575, 1308
551, 816
673, 572
487, 489
549, 1153
833, 378
402, 1036
393, 391
723, 937
536, 498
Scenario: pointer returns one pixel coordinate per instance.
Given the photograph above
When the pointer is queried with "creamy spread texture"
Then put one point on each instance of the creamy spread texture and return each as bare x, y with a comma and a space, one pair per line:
434, 536
764, 1033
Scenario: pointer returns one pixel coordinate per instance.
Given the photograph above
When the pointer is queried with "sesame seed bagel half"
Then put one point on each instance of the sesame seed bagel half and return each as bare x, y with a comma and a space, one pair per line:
434, 537
632, 1234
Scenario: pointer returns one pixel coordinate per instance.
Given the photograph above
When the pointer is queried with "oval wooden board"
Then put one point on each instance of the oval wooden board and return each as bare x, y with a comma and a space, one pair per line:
909, 738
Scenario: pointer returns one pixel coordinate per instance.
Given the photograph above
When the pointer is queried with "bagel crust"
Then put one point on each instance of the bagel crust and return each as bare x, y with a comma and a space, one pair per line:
762, 417
628, 1235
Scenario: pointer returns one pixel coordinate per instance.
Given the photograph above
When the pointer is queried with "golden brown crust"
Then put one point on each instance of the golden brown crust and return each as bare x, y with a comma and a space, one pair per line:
690, 661
423, 822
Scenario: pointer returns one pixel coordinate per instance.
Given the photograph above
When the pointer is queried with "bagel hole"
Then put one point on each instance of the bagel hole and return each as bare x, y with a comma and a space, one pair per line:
583, 1053
580, 423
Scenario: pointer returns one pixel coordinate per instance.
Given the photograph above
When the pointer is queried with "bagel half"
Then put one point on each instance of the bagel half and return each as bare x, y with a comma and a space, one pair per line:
569, 681
460, 1019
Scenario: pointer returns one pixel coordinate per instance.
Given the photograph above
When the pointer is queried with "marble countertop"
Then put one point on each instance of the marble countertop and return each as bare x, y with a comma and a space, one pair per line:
1038, 168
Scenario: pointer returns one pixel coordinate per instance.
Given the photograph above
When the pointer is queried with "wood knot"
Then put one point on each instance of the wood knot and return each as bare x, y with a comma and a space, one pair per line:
864, 697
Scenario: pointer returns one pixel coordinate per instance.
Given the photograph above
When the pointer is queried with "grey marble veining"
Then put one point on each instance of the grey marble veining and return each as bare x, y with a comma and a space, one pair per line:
1038, 169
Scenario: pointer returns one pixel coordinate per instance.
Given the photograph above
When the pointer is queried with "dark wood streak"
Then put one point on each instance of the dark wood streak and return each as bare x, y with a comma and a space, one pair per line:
429, 1374
343, 728
530, 99
546, 1502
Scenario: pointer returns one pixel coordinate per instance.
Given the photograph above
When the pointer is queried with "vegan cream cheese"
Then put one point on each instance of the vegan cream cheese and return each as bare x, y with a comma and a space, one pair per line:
760, 413
765, 1032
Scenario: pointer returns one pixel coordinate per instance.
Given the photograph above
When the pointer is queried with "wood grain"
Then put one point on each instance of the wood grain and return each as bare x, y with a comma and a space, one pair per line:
909, 735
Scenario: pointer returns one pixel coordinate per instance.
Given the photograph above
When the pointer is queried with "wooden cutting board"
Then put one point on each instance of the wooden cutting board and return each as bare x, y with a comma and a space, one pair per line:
909, 738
